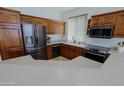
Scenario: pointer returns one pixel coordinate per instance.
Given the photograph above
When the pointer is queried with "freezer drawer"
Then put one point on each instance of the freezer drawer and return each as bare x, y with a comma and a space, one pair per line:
41, 56
37, 53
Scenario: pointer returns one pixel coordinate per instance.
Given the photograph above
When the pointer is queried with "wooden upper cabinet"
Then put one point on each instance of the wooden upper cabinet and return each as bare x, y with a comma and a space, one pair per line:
9, 16
47, 25
115, 19
35, 20
27, 19
109, 19
119, 32
57, 27
52, 27
42, 22
102, 20
96, 21
62, 28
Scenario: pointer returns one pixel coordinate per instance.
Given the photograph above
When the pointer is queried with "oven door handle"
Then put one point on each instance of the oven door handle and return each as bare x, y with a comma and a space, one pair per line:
95, 53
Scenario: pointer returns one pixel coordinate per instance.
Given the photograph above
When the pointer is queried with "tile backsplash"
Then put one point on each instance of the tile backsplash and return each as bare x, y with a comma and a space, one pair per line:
113, 42
55, 38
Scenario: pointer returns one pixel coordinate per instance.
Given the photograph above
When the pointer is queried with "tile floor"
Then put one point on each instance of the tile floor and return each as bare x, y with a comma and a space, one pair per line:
60, 58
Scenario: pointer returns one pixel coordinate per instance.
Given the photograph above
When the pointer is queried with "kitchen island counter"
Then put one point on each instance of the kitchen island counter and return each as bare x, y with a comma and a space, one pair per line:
79, 71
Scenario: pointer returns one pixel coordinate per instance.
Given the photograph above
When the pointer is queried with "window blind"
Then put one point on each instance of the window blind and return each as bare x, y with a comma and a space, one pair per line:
77, 28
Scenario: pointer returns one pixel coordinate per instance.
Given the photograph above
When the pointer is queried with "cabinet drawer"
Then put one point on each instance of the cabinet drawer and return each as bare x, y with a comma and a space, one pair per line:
14, 52
9, 16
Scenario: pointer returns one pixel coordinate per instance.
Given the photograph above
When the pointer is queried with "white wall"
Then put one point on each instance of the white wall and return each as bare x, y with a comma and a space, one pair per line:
46, 12
93, 11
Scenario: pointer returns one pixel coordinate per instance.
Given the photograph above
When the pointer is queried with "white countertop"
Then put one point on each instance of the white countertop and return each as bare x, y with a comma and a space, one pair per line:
68, 43
79, 71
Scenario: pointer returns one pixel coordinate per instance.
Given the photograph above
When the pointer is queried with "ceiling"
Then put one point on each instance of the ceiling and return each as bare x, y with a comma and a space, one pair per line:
46, 12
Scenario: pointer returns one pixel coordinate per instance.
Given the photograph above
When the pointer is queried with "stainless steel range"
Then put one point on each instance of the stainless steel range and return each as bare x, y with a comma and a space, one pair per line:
97, 53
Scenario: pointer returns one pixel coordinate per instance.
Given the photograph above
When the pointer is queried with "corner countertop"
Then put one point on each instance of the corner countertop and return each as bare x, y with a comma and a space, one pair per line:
79, 71
82, 45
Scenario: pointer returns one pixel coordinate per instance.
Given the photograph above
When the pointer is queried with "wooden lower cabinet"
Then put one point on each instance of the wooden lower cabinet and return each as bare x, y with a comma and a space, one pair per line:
71, 52
79, 51
49, 51
13, 52
66, 51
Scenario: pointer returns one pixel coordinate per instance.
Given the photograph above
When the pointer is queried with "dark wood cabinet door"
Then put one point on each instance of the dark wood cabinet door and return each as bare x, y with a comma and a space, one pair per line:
9, 16
49, 52
61, 51
12, 42
62, 28
57, 27
109, 19
71, 52
79, 51
96, 21
11, 37
119, 32
64, 51
52, 28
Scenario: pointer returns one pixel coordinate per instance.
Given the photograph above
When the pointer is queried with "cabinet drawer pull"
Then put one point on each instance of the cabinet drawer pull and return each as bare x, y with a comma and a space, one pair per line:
14, 49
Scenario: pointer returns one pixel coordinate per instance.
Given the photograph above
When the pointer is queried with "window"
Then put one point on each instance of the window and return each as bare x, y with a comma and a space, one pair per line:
77, 28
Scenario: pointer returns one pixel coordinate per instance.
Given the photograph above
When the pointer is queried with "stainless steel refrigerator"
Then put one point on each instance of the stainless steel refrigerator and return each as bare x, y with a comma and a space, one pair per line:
34, 37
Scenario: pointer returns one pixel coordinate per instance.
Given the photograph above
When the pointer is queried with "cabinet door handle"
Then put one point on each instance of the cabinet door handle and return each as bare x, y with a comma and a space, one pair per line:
14, 49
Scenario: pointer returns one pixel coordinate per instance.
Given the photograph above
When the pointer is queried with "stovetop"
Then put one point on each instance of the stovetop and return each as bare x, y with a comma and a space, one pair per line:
97, 49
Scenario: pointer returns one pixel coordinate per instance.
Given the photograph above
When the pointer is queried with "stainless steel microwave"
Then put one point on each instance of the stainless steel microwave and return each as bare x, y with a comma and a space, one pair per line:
101, 32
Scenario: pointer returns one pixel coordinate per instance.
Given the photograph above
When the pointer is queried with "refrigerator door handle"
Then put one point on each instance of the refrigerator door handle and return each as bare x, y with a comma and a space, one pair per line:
36, 35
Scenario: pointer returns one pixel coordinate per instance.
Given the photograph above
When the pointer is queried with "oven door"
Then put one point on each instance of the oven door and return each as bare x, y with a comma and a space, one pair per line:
96, 56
